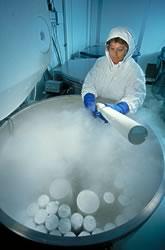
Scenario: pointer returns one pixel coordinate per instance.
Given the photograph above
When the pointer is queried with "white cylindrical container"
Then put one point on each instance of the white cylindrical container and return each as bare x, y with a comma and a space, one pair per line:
89, 223
64, 225
55, 233
84, 233
51, 222
40, 216
41, 228
76, 222
43, 200
61, 190
108, 206
108, 198
88, 202
64, 211
52, 207
124, 200
130, 129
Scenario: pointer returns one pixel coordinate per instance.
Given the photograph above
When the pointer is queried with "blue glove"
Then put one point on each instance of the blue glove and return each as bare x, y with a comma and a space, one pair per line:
99, 115
90, 103
121, 107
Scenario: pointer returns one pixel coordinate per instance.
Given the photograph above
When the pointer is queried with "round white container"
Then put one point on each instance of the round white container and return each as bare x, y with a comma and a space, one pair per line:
108, 198
43, 200
76, 222
64, 211
124, 200
51, 222
61, 190
64, 225
40, 216
89, 223
52, 207
88, 202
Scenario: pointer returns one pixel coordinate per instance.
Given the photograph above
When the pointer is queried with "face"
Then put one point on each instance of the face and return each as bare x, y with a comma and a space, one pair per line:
117, 52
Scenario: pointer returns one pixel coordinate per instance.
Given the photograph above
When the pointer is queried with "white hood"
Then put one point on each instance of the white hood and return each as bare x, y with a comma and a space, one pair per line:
122, 82
123, 33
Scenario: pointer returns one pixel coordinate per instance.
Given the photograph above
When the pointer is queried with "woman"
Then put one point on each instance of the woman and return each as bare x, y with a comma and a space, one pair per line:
116, 76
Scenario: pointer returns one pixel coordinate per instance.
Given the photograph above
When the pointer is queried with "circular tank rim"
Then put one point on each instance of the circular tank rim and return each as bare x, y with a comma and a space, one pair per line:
110, 236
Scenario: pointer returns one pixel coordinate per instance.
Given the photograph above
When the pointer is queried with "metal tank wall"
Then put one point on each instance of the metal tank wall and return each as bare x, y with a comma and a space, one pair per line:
25, 47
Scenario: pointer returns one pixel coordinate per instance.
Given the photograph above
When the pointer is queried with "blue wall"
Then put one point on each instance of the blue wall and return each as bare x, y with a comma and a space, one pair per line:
88, 22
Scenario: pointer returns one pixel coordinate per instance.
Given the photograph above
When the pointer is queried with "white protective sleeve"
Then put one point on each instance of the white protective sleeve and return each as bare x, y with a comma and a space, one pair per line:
124, 82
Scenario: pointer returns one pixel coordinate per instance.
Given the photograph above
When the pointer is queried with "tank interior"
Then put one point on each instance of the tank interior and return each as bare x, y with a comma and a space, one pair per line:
70, 145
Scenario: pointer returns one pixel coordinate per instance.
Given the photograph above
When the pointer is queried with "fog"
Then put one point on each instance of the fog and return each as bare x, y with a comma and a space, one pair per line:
60, 139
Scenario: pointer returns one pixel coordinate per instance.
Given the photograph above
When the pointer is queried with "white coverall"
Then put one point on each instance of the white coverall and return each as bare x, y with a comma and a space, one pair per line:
122, 82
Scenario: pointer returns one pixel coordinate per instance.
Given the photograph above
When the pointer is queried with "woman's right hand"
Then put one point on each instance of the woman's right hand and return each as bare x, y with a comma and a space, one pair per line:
90, 103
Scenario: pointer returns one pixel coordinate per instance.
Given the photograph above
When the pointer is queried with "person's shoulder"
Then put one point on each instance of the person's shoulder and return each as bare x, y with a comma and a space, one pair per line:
101, 59
134, 65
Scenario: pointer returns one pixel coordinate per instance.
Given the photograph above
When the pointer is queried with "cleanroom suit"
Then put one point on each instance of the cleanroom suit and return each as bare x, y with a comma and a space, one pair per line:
122, 82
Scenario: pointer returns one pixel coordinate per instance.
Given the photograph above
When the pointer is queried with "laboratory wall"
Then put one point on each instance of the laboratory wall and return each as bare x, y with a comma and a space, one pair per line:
72, 27
86, 23
154, 35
